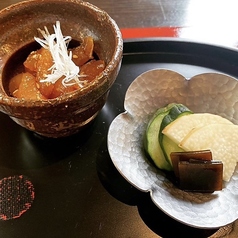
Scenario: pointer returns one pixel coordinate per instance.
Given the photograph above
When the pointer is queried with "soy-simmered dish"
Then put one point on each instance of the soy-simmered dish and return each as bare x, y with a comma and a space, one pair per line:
54, 69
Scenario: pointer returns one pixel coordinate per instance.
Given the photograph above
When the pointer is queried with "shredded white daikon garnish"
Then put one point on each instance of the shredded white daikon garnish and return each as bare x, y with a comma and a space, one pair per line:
63, 66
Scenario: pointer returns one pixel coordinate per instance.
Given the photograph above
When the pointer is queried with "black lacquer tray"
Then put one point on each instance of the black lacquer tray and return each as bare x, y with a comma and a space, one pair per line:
77, 190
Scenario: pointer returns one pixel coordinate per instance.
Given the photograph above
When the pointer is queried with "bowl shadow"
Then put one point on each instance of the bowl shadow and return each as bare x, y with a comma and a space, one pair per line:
23, 150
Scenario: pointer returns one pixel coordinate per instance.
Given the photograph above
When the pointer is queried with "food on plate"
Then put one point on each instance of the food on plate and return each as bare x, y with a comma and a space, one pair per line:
176, 157
192, 142
196, 176
196, 171
168, 145
56, 69
179, 128
221, 139
152, 143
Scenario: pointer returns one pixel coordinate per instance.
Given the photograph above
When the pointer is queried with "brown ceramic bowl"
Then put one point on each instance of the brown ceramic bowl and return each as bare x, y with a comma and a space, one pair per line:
68, 114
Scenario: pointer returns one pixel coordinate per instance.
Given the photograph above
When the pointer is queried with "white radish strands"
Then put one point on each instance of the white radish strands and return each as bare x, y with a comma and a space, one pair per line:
63, 66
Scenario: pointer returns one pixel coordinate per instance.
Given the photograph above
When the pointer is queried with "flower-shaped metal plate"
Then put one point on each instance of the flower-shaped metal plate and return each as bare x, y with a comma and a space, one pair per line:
211, 92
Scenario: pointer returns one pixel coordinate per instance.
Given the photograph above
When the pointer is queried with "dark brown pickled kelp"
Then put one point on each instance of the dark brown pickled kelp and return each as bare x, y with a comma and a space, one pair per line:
186, 156
197, 176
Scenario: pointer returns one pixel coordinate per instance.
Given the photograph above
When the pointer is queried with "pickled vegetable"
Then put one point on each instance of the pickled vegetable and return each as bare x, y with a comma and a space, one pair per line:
176, 157
200, 176
202, 143
180, 127
167, 145
196, 171
151, 141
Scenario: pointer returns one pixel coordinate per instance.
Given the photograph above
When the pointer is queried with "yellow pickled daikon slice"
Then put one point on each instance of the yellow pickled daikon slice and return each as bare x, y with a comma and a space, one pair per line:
180, 127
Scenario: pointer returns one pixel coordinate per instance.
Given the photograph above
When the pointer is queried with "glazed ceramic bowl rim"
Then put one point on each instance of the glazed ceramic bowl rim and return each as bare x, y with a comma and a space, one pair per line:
110, 67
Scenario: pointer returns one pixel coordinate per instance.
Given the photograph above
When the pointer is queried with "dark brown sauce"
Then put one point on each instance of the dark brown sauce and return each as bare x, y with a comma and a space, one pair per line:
14, 65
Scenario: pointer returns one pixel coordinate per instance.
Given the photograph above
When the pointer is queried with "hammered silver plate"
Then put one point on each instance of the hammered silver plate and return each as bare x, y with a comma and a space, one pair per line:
211, 92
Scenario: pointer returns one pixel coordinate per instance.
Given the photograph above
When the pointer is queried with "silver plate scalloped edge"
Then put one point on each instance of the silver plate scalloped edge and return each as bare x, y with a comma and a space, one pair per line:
211, 92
